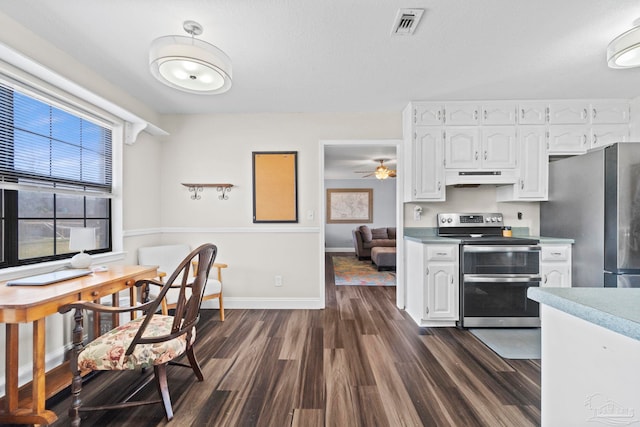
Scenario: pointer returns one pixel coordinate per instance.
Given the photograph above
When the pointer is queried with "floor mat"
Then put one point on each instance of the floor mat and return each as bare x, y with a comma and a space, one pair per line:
511, 343
348, 270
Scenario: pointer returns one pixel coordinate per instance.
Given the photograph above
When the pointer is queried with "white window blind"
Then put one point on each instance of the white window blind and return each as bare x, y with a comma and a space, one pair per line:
47, 148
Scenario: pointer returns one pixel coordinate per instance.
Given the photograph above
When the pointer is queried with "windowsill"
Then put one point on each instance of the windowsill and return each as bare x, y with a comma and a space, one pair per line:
46, 267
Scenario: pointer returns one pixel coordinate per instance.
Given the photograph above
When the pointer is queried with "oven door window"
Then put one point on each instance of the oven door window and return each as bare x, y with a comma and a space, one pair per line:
488, 298
501, 259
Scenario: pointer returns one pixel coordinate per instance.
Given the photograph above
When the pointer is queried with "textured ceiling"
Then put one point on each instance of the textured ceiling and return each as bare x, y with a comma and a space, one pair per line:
339, 56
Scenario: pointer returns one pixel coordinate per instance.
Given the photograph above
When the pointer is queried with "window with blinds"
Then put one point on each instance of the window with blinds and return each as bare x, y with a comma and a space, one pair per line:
55, 174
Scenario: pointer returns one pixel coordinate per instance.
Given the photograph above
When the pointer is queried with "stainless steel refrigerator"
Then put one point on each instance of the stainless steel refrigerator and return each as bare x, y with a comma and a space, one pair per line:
594, 198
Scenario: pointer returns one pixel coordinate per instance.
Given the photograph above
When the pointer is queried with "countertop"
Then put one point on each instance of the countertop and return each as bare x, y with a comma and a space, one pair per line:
613, 308
428, 235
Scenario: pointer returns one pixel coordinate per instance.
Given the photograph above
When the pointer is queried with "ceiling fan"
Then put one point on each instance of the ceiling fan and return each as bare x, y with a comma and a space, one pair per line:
381, 172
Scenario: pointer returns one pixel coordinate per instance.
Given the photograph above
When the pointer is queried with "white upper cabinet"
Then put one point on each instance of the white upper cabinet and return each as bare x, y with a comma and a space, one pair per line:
533, 168
569, 112
532, 113
428, 114
499, 147
491, 148
461, 114
602, 135
499, 113
427, 154
462, 148
609, 112
569, 139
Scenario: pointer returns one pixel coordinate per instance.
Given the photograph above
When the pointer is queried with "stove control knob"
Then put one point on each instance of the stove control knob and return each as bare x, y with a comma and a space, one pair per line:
493, 219
443, 220
449, 220
499, 219
487, 219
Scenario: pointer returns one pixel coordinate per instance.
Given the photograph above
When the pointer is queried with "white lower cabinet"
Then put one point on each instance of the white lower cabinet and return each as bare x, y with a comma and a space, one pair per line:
432, 283
555, 265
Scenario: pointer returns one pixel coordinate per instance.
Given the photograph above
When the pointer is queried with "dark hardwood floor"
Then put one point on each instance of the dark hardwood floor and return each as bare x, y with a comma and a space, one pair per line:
359, 362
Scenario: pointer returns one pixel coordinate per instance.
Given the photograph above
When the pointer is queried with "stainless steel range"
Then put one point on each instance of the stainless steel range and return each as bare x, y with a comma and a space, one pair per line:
495, 271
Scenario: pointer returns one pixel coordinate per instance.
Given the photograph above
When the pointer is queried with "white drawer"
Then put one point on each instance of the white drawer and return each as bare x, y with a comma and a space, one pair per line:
555, 253
442, 252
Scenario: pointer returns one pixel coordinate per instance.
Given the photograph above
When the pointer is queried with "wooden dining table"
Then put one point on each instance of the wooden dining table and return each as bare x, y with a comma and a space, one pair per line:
32, 304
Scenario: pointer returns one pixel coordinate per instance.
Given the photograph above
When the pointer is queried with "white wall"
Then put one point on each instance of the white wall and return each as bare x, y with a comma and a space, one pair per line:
218, 149
338, 236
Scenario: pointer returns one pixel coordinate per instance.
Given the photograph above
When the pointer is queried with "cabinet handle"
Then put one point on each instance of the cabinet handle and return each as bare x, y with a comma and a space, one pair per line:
485, 154
475, 115
426, 309
594, 113
444, 115
484, 113
556, 253
522, 184
584, 139
439, 185
545, 278
441, 253
595, 139
439, 115
476, 155
584, 113
522, 113
426, 271
451, 280
548, 114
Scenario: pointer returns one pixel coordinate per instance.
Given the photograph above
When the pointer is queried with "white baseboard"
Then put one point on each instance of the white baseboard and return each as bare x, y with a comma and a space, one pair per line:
349, 249
267, 303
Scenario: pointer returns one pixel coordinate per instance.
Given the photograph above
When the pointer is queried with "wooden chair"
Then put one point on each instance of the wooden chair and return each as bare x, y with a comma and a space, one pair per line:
166, 257
152, 340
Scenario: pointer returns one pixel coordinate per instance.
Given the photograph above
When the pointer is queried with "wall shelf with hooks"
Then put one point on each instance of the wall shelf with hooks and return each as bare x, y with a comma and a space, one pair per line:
197, 188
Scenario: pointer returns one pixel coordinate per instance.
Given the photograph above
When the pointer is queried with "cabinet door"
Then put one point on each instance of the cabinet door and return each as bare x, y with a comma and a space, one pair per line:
428, 177
499, 147
427, 114
602, 135
555, 275
462, 148
461, 114
610, 112
442, 292
569, 112
499, 114
534, 163
568, 139
532, 113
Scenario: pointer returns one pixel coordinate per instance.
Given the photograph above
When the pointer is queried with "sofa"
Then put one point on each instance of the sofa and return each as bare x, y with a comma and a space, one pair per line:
365, 239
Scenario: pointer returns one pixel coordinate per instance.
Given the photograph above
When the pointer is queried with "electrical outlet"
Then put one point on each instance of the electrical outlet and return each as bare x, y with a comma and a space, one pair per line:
278, 281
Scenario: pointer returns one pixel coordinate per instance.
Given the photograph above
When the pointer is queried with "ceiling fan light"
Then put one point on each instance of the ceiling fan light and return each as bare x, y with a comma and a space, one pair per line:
190, 65
624, 50
382, 172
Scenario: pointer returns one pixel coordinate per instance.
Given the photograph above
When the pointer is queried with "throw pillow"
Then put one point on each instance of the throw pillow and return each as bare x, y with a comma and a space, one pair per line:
366, 233
380, 233
392, 232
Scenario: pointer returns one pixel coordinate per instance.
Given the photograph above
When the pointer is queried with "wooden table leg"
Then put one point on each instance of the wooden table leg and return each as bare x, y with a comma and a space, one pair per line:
39, 394
133, 300
11, 367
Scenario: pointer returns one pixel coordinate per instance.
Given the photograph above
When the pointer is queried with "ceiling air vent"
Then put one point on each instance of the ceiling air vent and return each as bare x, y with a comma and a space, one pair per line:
406, 22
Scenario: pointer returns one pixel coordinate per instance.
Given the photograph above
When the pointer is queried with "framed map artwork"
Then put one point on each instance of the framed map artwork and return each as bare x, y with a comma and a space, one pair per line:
349, 205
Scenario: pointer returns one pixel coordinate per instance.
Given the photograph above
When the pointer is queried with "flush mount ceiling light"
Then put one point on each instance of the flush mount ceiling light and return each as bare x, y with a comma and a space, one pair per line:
624, 50
188, 64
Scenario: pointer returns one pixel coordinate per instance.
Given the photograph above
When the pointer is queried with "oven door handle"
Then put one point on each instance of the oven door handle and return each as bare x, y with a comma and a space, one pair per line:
501, 248
502, 278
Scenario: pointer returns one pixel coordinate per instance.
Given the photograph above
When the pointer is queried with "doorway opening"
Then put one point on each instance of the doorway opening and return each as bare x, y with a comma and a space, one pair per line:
352, 164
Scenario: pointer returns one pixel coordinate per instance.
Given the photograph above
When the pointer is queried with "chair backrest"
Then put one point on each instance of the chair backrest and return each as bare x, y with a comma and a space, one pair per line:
188, 304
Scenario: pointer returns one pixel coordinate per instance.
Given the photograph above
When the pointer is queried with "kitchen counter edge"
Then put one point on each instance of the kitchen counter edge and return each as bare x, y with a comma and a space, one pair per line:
615, 309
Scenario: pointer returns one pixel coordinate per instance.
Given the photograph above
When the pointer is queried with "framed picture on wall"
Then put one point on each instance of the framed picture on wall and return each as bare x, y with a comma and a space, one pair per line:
275, 197
349, 205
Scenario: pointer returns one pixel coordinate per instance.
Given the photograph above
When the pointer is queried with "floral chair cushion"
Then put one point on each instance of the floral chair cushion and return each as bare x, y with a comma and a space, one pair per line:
107, 351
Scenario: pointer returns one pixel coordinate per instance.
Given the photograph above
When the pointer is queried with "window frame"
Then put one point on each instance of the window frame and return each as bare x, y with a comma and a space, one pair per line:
57, 98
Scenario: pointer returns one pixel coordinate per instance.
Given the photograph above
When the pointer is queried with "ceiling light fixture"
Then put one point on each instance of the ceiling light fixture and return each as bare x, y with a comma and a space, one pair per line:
624, 50
188, 64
